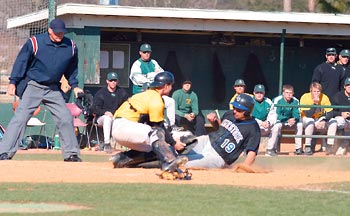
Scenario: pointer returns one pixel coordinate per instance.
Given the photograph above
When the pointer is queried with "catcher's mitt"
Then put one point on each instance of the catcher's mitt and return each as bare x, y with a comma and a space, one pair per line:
245, 168
181, 173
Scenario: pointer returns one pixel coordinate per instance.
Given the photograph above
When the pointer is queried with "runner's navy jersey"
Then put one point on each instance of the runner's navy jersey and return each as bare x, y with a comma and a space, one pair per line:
234, 136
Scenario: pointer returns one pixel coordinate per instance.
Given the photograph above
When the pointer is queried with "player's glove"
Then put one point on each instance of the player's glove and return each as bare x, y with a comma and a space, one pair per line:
181, 173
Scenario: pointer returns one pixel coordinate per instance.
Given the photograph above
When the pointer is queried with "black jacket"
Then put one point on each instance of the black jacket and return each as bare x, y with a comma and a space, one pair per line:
108, 101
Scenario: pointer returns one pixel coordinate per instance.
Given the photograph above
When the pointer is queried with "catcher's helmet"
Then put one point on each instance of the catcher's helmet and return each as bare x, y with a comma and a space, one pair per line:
161, 79
244, 102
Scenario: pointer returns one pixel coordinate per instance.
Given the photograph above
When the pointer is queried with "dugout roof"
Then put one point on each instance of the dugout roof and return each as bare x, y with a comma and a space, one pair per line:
193, 20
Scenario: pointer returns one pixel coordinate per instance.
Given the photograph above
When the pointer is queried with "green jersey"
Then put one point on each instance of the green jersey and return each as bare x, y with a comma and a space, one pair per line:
285, 113
185, 102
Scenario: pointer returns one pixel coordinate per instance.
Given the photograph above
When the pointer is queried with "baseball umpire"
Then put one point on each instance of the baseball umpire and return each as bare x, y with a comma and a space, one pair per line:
35, 78
139, 125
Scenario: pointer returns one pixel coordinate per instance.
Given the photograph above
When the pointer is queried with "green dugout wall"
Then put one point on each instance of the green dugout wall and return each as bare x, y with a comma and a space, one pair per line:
211, 65
207, 65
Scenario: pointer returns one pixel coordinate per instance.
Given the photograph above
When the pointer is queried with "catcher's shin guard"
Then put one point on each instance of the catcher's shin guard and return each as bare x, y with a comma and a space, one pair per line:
165, 153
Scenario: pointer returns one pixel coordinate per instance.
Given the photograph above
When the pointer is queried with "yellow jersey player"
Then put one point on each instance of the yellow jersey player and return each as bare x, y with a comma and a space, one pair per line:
139, 125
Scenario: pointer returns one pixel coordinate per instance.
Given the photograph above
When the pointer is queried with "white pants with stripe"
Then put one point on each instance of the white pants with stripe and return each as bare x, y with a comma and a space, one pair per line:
204, 155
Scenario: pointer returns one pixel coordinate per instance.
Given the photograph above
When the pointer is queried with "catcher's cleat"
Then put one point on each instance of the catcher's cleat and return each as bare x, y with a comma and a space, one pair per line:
120, 160
172, 166
4, 156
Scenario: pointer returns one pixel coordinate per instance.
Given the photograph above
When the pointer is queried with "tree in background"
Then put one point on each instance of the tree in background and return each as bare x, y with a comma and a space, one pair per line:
334, 6
318, 6
287, 5
327, 6
312, 5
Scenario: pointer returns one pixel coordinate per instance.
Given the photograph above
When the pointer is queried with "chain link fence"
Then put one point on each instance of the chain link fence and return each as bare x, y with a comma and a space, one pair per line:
13, 39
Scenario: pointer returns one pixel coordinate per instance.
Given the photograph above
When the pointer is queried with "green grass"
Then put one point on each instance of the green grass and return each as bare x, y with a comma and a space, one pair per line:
171, 200
154, 199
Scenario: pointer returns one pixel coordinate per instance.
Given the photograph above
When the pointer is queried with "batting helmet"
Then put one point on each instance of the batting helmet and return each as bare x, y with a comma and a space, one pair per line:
244, 102
161, 79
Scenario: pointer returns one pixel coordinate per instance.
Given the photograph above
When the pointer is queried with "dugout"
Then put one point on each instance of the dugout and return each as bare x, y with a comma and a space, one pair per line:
210, 47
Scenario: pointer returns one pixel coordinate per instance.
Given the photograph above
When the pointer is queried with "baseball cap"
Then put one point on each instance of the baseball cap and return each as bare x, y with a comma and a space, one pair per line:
239, 82
57, 25
347, 81
345, 53
331, 50
112, 76
145, 48
259, 88
187, 82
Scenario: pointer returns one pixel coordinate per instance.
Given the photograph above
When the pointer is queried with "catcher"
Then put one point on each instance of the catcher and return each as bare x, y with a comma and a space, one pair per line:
139, 125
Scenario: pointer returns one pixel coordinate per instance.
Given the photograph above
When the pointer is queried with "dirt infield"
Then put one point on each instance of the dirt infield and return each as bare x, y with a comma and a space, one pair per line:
291, 176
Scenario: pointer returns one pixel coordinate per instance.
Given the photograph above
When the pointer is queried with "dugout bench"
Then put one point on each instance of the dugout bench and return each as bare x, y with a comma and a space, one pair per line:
289, 134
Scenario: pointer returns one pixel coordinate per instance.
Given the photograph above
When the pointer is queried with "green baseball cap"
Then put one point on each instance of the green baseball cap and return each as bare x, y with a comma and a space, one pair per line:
347, 81
345, 53
239, 82
145, 48
112, 76
331, 51
187, 82
259, 88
